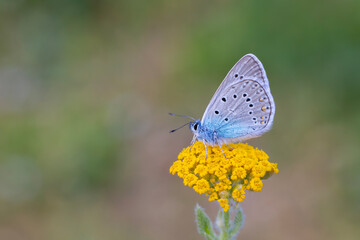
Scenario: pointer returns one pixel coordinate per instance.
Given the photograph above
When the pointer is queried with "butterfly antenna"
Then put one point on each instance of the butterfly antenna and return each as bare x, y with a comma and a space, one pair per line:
176, 115
179, 127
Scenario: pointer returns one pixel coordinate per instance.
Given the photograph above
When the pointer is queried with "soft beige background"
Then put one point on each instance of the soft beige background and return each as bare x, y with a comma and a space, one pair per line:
85, 87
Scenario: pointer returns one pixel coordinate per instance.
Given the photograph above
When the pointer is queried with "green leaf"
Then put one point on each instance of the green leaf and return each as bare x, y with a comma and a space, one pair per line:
238, 223
204, 224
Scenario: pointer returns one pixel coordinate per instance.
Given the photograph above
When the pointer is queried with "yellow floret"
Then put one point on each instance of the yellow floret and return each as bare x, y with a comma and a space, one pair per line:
274, 168
223, 179
238, 173
258, 171
224, 204
238, 195
202, 186
202, 170
256, 184
190, 180
213, 197
221, 186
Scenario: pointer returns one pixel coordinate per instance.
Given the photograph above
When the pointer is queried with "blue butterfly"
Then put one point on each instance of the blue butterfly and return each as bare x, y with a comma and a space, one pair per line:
241, 108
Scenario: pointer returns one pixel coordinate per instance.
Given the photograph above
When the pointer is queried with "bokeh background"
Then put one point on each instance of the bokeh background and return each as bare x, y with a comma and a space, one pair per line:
86, 85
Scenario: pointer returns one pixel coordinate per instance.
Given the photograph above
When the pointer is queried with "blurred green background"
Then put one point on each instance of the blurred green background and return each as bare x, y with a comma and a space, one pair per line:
85, 87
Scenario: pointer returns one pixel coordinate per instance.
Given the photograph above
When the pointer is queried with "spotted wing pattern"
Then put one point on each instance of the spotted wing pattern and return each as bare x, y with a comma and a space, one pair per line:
243, 106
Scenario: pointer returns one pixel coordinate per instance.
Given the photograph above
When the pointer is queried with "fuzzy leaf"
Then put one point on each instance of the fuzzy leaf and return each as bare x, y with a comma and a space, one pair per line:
204, 224
238, 223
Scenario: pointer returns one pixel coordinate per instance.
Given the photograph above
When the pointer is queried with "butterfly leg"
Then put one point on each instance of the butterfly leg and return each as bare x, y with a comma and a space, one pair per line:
222, 151
192, 143
228, 146
219, 143
205, 150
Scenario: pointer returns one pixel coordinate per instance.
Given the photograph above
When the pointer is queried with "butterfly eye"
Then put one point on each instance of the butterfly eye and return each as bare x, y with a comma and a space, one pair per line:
195, 126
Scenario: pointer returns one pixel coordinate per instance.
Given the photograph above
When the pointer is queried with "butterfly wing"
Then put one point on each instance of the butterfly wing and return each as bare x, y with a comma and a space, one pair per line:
242, 106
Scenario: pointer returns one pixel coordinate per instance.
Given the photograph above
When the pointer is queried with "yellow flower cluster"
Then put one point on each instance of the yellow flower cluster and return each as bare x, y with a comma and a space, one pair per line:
223, 179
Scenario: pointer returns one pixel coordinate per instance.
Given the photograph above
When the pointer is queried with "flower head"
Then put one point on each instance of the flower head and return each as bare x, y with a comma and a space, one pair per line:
223, 179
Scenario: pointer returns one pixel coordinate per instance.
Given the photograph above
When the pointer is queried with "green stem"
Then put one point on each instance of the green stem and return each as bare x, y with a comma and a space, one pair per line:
228, 228
223, 222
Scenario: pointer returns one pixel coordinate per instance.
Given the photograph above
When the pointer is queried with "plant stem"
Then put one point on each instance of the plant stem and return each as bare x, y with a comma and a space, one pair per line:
228, 228
223, 222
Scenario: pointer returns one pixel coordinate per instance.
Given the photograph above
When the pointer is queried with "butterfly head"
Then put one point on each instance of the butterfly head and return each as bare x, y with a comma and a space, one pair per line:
195, 126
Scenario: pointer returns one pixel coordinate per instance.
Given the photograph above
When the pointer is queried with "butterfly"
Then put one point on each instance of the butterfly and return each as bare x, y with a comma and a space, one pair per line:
241, 108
